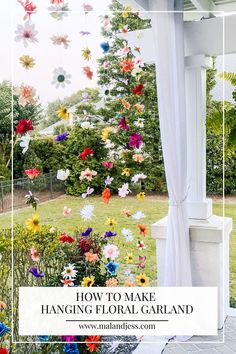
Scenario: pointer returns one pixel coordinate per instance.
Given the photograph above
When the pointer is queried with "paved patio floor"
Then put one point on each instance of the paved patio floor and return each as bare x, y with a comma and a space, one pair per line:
188, 347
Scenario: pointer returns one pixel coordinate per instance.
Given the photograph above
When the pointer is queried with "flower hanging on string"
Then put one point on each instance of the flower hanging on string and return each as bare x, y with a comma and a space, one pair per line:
88, 281
69, 272
87, 151
92, 343
143, 229
126, 172
135, 140
23, 126
127, 233
31, 200
108, 180
36, 273
32, 173
126, 11
139, 107
29, 8
61, 137
26, 95
66, 211
27, 62
85, 33
138, 215
127, 212
26, 33
107, 164
124, 190
87, 174
87, 212
91, 257
85, 97
67, 282
141, 245
61, 40
105, 133
87, 232
88, 192
140, 196
123, 124
60, 78
123, 29
65, 238
111, 251
34, 255
138, 90
139, 123
105, 47
33, 224
106, 23
106, 65
56, 2
63, 113
88, 72
112, 267
138, 158
112, 282
129, 258
138, 177
59, 10
24, 143
86, 53
125, 104
87, 8
63, 175
142, 280
106, 195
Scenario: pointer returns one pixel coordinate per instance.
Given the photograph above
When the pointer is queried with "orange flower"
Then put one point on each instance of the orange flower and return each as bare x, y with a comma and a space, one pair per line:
106, 195
125, 104
88, 72
127, 212
111, 282
2, 305
92, 343
91, 257
129, 283
143, 229
127, 65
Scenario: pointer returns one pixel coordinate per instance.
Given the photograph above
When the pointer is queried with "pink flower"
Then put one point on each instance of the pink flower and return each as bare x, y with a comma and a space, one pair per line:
87, 8
141, 245
26, 33
29, 8
87, 174
135, 140
66, 211
111, 251
26, 95
56, 2
34, 255
107, 164
123, 124
106, 65
126, 50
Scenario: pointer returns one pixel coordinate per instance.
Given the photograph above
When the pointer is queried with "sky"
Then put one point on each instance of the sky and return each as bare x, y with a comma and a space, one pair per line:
49, 57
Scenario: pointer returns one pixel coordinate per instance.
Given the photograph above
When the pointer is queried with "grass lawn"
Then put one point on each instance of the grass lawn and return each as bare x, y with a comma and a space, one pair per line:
153, 207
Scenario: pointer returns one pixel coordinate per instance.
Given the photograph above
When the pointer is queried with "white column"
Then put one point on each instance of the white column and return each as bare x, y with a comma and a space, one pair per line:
199, 207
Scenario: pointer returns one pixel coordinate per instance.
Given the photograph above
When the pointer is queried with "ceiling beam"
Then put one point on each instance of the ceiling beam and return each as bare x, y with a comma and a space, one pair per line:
204, 5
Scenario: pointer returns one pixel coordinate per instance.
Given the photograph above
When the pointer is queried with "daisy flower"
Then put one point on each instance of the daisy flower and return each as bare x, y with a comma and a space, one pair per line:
127, 233
139, 123
26, 95
24, 143
138, 215
63, 113
124, 190
142, 280
87, 281
87, 212
63, 175
27, 62
87, 174
26, 33
111, 251
138, 177
33, 224
60, 78
69, 272
61, 40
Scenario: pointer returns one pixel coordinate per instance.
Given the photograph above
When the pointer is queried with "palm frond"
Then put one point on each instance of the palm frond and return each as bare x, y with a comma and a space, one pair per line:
230, 77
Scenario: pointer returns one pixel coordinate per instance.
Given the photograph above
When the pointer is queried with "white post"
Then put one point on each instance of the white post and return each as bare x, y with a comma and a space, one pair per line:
199, 207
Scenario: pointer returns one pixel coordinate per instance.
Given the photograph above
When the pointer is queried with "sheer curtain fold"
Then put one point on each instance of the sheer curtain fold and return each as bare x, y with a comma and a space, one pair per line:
169, 38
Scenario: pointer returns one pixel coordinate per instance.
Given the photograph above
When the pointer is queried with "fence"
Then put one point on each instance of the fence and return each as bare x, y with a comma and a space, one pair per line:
45, 187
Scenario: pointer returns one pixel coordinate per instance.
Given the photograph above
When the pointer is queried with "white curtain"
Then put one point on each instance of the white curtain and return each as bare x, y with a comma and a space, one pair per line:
169, 41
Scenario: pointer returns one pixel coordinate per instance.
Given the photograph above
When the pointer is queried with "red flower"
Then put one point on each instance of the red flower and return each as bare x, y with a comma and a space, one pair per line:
23, 126
143, 229
3, 351
88, 72
87, 151
92, 343
127, 65
66, 238
106, 195
32, 173
138, 90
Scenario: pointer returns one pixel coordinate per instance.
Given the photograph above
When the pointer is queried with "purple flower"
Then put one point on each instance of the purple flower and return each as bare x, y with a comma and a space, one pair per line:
109, 234
135, 140
36, 273
87, 232
85, 97
69, 338
123, 124
62, 136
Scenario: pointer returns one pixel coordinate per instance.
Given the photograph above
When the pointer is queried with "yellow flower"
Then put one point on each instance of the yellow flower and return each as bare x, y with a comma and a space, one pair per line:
63, 113
142, 280
112, 282
111, 222
86, 54
127, 10
106, 133
129, 258
2, 305
87, 281
125, 172
33, 223
27, 62
140, 196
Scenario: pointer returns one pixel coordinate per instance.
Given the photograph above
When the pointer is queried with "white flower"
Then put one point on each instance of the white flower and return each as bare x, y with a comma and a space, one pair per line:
26, 33
52, 230
124, 190
87, 125
136, 71
87, 212
139, 215
108, 180
69, 272
139, 123
127, 233
63, 175
88, 192
109, 144
138, 177
24, 142
60, 77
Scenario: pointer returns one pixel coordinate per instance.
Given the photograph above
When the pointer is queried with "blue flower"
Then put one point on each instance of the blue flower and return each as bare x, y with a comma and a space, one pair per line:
62, 136
71, 348
36, 273
109, 234
87, 232
105, 46
111, 267
42, 338
4, 329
